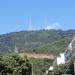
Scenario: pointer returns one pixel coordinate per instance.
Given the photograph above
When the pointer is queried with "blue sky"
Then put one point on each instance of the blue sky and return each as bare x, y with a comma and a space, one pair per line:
15, 15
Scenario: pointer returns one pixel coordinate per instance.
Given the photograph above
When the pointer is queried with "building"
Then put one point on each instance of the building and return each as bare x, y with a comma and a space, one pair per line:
70, 50
59, 60
67, 55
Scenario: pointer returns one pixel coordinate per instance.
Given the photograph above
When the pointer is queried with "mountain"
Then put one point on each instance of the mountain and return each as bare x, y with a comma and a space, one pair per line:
42, 41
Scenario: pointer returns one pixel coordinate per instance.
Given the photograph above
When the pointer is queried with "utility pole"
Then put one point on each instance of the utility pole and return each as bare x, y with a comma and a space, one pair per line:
32, 68
74, 67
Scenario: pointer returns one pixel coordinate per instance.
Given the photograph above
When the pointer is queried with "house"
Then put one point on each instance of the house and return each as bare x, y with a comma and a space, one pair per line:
70, 50
59, 60
67, 55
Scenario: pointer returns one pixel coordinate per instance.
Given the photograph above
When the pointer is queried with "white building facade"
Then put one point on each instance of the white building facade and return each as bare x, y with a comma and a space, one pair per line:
59, 60
67, 55
70, 51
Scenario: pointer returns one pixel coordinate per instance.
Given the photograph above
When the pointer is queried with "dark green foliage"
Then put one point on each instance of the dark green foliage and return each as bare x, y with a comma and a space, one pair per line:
14, 65
34, 40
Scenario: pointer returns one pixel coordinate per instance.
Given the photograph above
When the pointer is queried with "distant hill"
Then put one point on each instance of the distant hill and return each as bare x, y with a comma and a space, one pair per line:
42, 41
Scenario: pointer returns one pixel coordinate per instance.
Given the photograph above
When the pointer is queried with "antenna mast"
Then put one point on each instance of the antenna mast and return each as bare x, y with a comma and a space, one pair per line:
30, 26
45, 25
16, 49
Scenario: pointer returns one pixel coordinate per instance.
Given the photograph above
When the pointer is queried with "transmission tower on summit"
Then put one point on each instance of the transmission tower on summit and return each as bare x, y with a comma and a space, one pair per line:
46, 23
30, 25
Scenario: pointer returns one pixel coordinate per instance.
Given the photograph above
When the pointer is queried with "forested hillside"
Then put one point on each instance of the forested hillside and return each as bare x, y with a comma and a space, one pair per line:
41, 41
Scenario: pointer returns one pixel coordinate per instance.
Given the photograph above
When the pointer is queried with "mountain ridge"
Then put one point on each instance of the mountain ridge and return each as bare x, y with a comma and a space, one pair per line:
32, 40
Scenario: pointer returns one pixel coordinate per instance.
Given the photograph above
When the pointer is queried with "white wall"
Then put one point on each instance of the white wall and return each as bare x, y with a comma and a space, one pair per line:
60, 60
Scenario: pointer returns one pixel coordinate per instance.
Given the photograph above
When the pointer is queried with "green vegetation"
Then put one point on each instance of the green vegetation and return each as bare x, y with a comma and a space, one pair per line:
53, 48
43, 41
12, 64
52, 42
67, 68
31, 41
40, 65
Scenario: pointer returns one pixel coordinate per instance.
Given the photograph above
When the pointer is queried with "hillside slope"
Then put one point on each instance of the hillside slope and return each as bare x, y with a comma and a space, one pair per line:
31, 41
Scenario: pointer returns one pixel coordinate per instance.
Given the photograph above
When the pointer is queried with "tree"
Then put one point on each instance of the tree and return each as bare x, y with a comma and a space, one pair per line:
15, 65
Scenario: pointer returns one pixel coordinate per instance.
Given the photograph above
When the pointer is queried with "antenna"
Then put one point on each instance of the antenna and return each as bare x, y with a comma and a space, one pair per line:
30, 25
9, 49
16, 49
45, 25
37, 27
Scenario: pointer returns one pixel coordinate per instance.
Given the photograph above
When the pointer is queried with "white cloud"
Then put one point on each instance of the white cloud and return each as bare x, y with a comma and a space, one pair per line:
53, 26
